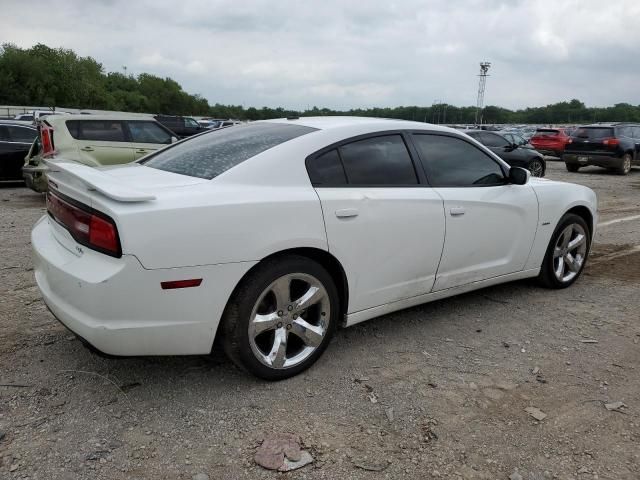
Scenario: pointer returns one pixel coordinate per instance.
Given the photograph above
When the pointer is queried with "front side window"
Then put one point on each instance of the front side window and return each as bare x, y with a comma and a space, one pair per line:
148, 132
453, 162
97, 130
191, 123
493, 140
381, 160
210, 154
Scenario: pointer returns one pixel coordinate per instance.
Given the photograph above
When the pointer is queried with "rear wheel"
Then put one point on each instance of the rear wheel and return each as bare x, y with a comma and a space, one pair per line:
536, 167
625, 165
572, 167
567, 253
281, 318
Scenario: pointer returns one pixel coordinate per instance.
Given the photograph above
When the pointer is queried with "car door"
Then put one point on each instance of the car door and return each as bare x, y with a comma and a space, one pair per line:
16, 146
490, 224
636, 140
383, 224
101, 142
147, 136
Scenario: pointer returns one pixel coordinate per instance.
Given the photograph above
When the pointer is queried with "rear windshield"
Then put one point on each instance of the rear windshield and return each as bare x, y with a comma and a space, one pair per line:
210, 154
593, 133
546, 132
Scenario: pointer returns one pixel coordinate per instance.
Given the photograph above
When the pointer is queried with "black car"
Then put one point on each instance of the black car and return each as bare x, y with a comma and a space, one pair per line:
15, 142
511, 153
615, 146
181, 126
517, 140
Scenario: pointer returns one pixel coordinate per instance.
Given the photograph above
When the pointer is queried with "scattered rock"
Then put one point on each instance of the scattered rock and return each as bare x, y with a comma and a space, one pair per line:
370, 467
200, 476
536, 413
583, 470
505, 345
515, 476
473, 386
389, 413
13, 467
535, 370
615, 406
373, 397
282, 452
541, 379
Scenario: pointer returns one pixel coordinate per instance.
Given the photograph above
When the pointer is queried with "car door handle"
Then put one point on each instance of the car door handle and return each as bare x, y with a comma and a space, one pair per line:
347, 213
455, 211
87, 149
141, 150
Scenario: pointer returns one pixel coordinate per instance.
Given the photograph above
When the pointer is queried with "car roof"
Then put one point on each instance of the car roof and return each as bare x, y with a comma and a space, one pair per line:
336, 122
71, 116
17, 123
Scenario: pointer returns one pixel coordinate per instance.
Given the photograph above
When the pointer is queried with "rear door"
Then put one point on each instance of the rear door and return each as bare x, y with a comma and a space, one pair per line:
101, 142
147, 136
382, 222
15, 142
490, 224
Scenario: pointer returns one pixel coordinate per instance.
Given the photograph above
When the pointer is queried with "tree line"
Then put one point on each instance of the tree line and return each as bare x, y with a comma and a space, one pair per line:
46, 76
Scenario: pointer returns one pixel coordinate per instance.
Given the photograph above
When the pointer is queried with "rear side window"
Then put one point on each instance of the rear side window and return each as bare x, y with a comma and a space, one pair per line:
452, 162
148, 132
381, 160
624, 132
97, 130
326, 169
213, 153
22, 134
593, 133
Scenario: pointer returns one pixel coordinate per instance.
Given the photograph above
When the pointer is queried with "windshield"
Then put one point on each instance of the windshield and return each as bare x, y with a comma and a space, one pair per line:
593, 133
210, 154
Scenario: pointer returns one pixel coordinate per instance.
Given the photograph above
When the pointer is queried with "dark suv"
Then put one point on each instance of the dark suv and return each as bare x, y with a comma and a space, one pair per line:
181, 126
610, 145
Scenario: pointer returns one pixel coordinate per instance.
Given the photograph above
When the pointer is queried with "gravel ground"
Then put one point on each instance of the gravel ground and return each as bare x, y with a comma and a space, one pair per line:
437, 391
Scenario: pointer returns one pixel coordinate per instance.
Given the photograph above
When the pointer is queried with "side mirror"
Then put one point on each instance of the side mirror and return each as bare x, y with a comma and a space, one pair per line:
519, 176
174, 139
511, 147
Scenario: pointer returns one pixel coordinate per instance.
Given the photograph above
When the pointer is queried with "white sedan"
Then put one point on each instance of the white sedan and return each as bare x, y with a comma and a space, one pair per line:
268, 236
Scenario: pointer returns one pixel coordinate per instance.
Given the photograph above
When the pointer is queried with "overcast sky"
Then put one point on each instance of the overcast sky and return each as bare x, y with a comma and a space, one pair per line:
342, 54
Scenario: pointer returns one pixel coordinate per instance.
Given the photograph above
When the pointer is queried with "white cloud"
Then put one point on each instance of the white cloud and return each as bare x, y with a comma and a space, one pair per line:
345, 54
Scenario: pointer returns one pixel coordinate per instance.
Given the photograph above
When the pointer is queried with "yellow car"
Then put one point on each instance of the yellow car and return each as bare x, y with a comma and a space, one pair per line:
95, 140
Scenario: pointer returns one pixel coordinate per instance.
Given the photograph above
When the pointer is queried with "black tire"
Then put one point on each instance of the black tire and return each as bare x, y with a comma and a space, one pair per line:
547, 276
234, 331
625, 165
572, 167
537, 167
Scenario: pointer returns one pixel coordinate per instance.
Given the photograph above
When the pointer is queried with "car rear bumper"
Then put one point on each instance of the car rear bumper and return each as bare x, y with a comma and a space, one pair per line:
35, 177
118, 307
588, 158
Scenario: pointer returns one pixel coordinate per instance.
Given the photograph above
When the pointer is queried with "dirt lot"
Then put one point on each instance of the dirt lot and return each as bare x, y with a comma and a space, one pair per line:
437, 391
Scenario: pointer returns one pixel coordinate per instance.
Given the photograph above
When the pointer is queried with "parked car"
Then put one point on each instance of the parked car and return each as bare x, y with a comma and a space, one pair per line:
511, 152
25, 117
615, 146
550, 141
181, 126
95, 141
517, 139
15, 141
270, 235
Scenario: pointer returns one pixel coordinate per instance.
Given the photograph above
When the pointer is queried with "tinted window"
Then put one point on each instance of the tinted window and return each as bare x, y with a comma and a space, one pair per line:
191, 123
22, 134
97, 130
211, 154
636, 132
493, 140
326, 169
148, 132
4, 134
378, 161
593, 133
624, 132
452, 162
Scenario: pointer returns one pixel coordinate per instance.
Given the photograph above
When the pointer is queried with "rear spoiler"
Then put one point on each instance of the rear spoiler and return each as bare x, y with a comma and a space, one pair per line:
99, 181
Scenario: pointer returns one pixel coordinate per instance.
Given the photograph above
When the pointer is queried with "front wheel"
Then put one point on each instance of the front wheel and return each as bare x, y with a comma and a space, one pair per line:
536, 167
566, 254
572, 167
281, 318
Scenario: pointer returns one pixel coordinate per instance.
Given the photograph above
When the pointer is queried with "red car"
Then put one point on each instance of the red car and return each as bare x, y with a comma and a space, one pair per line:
550, 141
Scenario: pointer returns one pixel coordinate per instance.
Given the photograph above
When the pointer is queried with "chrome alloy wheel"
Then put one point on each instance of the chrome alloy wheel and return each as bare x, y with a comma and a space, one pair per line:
536, 168
569, 252
289, 320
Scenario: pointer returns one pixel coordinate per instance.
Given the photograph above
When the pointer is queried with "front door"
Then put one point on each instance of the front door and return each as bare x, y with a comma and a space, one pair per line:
382, 224
490, 224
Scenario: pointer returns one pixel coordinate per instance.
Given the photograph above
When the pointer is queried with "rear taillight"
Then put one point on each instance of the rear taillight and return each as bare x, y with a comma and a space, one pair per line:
88, 227
569, 140
46, 138
611, 142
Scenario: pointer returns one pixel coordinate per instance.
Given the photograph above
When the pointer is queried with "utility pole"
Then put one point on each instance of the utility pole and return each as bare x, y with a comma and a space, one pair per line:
484, 68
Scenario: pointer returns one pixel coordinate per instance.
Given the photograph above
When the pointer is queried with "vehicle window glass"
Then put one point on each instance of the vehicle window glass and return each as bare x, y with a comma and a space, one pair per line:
148, 132
191, 123
378, 161
636, 132
593, 133
326, 169
98, 130
625, 132
493, 140
4, 134
452, 162
519, 140
74, 128
22, 134
209, 155
546, 132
